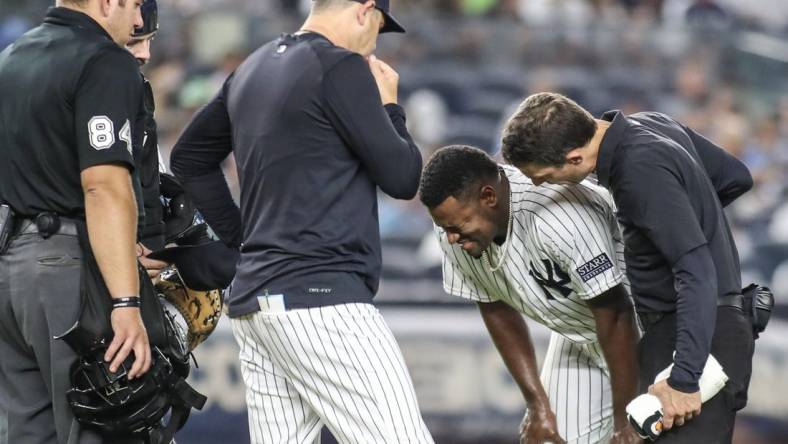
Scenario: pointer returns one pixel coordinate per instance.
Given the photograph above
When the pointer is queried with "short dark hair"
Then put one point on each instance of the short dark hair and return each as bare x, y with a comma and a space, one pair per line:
453, 171
544, 128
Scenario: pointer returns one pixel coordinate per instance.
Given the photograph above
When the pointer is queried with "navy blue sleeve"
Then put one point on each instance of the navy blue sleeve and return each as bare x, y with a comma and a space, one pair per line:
696, 314
729, 175
196, 161
376, 134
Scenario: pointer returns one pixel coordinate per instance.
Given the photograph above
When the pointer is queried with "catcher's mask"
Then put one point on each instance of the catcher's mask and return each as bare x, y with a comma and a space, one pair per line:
116, 406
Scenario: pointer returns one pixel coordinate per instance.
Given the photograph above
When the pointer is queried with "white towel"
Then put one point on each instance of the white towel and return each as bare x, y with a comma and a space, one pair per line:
645, 411
712, 380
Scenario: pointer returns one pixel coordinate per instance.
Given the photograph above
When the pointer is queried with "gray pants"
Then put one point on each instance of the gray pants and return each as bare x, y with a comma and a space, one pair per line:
39, 298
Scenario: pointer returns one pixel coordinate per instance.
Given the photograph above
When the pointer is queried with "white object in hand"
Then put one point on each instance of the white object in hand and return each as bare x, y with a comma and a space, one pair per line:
645, 415
712, 380
645, 411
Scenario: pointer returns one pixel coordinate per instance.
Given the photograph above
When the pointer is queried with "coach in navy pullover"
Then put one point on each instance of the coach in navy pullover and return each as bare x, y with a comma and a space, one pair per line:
313, 142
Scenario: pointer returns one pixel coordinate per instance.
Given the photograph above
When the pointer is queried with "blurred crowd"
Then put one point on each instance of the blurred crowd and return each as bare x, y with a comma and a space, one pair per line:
721, 66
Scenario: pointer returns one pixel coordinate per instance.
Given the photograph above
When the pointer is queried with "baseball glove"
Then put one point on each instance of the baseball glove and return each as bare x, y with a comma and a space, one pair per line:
200, 310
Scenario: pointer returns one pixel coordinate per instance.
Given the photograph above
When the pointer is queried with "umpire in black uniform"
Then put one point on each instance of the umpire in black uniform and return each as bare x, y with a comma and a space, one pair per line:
670, 185
70, 92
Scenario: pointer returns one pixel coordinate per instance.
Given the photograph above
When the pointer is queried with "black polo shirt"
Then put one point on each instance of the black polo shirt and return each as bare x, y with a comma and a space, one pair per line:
68, 100
670, 185
313, 144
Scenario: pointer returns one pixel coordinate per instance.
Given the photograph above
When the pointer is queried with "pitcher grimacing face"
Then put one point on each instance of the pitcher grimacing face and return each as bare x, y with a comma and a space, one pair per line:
466, 223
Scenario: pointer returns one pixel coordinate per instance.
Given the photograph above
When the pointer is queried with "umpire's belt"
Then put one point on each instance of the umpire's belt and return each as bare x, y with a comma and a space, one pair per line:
732, 300
46, 224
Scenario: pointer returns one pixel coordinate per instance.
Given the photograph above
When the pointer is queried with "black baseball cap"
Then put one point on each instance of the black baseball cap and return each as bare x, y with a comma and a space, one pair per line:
391, 24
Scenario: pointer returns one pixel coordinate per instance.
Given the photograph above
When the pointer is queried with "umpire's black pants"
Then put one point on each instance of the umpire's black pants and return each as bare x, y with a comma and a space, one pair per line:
732, 345
39, 298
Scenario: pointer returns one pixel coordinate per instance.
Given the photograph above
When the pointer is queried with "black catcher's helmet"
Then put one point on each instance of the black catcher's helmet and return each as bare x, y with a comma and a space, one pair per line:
204, 263
116, 406
150, 19
179, 213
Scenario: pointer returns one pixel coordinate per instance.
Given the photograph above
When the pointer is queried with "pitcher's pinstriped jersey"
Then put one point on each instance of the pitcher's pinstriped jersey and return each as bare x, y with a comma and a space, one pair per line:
566, 249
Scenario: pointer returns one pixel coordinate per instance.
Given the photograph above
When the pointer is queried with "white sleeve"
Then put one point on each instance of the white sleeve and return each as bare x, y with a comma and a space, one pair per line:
585, 250
455, 281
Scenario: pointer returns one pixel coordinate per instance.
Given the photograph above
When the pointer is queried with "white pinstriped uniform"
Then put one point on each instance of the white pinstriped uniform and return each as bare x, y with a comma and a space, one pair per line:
338, 366
566, 249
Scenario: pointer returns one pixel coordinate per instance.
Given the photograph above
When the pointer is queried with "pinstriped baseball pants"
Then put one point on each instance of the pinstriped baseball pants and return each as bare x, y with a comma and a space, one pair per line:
576, 379
338, 366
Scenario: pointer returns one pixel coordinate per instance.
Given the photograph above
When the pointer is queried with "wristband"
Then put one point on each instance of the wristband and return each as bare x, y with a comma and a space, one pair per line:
131, 301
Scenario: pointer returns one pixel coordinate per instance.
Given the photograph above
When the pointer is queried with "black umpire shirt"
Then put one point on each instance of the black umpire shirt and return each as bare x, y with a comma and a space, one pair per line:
146, 140
670, 185
312, 143
68, 99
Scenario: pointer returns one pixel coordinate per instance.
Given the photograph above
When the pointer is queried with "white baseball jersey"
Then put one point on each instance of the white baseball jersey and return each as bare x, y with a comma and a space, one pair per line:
566, 248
